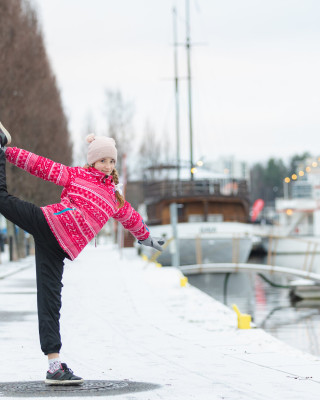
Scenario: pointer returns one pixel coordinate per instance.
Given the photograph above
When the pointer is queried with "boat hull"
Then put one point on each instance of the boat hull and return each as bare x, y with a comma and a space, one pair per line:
201, 243
291, 245
208, 251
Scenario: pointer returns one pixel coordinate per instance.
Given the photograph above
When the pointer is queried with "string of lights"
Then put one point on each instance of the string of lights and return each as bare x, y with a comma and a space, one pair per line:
301, 173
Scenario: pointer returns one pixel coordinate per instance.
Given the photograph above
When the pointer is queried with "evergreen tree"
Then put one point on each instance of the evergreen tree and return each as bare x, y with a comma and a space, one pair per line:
296, 160
267, 180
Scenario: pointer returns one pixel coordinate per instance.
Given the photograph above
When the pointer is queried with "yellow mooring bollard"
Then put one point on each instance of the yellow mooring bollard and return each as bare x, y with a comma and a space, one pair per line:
183, 281
244, 320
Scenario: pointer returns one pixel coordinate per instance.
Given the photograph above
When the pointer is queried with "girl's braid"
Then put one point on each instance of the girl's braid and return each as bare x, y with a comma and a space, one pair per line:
119, 197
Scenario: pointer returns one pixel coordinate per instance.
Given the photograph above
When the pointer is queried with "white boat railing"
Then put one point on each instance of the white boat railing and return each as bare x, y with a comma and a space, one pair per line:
309, 252
236, 267
235, 237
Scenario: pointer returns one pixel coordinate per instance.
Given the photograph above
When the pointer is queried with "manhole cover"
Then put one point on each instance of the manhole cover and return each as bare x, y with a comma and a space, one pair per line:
88, 388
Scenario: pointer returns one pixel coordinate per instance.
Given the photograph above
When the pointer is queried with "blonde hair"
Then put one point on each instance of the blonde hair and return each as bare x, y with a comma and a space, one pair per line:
119, 196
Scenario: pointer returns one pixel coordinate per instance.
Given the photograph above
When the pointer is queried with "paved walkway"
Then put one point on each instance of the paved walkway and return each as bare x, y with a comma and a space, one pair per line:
129, 322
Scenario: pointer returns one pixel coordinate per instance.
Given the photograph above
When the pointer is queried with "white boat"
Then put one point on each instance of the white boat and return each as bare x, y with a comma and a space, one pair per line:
291, 244
203, 242
298, 231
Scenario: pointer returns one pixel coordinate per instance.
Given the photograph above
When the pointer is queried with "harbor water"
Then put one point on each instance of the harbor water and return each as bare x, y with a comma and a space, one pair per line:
297, 324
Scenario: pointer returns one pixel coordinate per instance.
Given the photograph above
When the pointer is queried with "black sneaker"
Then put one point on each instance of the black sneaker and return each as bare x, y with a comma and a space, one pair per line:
63, 376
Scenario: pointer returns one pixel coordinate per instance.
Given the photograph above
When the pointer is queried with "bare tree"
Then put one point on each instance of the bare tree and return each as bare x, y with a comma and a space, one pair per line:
149, 150
81, 151
155, 152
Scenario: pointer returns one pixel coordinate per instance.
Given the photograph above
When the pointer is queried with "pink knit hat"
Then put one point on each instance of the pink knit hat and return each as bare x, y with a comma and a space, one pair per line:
100, 147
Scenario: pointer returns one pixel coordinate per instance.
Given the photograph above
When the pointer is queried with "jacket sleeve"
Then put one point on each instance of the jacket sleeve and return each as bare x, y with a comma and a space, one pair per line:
132, 221
39, 166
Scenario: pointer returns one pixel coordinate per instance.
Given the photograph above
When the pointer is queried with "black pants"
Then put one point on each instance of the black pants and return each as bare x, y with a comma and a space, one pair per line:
49, 261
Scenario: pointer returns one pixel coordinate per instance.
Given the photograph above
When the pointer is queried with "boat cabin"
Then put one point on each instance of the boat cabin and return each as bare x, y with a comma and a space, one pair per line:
204, 200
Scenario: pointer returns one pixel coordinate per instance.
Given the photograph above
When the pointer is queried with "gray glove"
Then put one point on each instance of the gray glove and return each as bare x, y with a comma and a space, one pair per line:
156, 243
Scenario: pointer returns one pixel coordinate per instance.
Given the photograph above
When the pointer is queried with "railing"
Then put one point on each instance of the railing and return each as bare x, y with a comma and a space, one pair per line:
307, 269
308, 249
236, 252
236, 267
218, 187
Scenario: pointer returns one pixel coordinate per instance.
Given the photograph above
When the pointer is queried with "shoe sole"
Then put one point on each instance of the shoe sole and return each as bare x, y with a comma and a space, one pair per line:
65, 383
6, 133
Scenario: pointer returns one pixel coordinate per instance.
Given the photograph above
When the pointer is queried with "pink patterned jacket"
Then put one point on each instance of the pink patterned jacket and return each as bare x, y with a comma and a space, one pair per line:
87, 201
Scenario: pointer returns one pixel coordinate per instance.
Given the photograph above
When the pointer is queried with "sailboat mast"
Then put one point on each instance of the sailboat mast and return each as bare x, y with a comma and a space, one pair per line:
176, 79
188, 47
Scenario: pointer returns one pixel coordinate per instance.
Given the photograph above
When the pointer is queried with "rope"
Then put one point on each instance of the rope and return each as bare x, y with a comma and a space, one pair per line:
274, 284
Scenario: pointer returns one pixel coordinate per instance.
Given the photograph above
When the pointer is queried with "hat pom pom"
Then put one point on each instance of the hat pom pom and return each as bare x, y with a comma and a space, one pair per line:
90, 138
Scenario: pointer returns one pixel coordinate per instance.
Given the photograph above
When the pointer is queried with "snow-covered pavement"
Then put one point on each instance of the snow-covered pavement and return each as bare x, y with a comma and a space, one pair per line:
123, 319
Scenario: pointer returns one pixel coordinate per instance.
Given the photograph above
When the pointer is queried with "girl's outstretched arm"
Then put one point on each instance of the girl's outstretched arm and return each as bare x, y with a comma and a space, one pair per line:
132, 221
39, 166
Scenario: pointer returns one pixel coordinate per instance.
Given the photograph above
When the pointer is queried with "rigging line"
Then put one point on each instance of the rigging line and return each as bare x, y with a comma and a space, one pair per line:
197, 6
181, 18
201, 25
274, 284
201, 109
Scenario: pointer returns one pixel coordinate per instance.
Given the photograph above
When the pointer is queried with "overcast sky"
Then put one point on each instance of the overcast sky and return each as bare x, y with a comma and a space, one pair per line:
255, 68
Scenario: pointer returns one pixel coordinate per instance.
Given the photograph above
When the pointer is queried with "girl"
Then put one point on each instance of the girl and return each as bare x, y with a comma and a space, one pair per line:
89, 198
